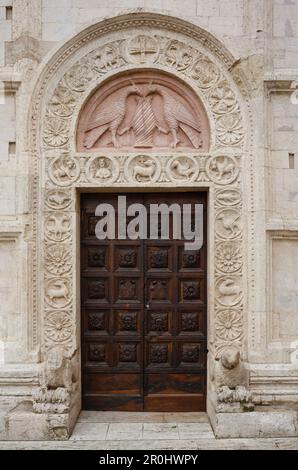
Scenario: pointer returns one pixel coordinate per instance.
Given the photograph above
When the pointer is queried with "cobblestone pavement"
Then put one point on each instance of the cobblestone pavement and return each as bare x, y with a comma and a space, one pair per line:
148, 431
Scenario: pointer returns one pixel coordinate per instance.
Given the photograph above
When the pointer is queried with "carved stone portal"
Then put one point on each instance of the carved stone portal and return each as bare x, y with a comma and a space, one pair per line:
144, 110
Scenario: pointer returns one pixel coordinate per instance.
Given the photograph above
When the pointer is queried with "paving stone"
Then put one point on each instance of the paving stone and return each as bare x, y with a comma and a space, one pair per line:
87, 431
160, 431
124, 431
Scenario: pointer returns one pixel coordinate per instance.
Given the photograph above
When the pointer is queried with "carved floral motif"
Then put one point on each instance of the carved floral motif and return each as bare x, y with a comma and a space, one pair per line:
127, 352
228, 324
229, 129
55, 132
222, 99
190, 353
229, 257
57, 227
189, 322
159, 353
96, 352
58, 259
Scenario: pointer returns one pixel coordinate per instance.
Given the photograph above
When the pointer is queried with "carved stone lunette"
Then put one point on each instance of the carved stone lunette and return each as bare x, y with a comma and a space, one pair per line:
91, 162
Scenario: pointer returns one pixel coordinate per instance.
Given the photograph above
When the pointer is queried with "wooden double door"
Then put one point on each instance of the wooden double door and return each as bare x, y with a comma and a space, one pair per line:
143, 305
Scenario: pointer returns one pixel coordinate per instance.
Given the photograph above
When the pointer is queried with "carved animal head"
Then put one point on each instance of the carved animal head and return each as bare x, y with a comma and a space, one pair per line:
152, 88
135, 89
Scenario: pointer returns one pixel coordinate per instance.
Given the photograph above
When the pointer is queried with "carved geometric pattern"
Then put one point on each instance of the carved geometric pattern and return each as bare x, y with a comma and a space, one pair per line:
96, 320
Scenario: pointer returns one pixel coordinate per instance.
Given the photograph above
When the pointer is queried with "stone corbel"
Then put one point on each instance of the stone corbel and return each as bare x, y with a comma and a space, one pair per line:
280, 85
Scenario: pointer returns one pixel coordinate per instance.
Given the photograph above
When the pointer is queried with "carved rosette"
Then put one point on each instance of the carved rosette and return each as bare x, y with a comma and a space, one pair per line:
219, 168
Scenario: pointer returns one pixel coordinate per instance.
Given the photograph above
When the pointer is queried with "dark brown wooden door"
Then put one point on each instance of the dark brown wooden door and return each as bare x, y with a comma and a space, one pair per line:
143, 316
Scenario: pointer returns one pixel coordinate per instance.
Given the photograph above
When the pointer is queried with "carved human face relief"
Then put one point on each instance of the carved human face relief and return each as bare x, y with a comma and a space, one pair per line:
143, 111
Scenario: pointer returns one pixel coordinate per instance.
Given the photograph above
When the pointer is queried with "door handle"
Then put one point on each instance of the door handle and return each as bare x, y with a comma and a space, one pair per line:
147, 306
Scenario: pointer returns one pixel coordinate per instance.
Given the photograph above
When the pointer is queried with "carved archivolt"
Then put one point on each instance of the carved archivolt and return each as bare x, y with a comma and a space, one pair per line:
203, 147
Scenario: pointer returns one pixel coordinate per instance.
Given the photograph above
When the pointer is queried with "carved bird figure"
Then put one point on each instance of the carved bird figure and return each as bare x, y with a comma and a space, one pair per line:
175, 114
230, 222
109, 116
228, 288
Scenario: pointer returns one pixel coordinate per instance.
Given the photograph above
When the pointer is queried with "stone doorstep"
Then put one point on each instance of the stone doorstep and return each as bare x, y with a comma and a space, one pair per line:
24, 425
254, 424
21, 423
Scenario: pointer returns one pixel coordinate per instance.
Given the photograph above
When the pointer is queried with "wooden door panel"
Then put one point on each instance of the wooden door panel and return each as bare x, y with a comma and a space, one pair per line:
112, 315
175, 331
143, 316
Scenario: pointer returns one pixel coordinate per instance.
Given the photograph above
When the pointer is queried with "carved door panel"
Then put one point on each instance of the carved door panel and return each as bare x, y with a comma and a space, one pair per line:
143, 317
112, 315
175, 319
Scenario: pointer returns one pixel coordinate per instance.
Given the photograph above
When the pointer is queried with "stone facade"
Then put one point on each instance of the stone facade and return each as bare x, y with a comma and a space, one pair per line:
239, 57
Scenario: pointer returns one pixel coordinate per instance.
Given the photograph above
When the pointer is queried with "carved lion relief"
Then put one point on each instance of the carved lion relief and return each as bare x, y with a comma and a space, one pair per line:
144, 110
